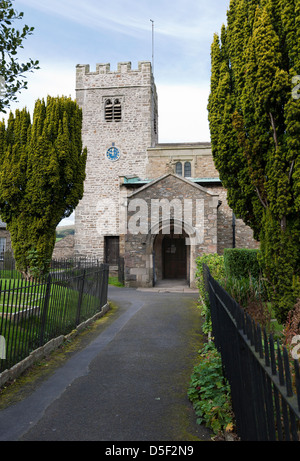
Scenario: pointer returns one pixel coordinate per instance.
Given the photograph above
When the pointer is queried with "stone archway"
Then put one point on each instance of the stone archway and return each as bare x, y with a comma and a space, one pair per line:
170, 252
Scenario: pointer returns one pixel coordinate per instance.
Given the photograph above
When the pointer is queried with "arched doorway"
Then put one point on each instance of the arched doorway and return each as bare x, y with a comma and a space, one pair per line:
170, 252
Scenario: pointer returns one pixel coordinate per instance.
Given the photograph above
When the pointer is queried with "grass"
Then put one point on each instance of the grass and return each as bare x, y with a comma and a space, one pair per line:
23, 334
21, 295
115, 282
8, 274
24, 294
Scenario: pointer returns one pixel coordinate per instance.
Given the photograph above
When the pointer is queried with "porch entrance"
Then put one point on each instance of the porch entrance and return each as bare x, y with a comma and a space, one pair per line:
174, 257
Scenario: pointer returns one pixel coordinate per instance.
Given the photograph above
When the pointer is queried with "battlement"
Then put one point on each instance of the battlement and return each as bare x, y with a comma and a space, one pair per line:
123, 67
124, 76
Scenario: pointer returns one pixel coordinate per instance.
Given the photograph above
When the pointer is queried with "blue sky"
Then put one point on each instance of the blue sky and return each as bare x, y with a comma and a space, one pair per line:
70, 32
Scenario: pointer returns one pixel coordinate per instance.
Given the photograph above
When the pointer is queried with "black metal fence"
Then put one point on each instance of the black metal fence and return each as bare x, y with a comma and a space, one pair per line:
73, 264
264, 379
8, 266
32, 313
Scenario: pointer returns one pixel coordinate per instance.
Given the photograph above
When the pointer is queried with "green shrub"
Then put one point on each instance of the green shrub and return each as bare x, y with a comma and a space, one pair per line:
210, 392
245, 289
241, 263
215, 264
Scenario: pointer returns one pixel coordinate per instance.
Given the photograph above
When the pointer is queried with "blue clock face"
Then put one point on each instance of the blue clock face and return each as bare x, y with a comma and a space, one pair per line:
113, 154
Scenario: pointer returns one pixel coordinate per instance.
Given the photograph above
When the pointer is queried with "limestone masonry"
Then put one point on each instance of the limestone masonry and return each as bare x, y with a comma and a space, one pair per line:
159, 206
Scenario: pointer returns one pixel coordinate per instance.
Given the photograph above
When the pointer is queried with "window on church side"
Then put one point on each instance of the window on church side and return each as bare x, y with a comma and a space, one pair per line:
2, 247
187, 170
113, 110
178, 168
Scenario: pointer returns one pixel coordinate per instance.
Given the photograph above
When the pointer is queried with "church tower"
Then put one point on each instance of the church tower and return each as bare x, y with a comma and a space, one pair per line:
119, 125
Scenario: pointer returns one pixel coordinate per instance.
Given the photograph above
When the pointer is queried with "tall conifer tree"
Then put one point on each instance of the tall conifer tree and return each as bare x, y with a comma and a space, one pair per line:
254, 120
12, 72
41, 178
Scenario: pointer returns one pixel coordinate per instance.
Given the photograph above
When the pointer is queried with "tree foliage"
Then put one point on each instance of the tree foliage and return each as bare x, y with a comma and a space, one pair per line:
41, 177
12, 78
254, 119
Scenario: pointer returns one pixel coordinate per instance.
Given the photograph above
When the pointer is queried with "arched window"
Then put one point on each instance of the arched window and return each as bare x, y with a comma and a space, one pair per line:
113, 110
187, 170
179, 168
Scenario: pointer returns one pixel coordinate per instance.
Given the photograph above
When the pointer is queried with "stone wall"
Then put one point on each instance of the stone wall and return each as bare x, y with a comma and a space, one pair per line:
64, 248
139, 246
162, 159
243, 234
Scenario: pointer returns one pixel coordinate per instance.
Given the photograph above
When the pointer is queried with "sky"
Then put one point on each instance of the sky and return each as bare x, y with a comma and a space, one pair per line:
178, 42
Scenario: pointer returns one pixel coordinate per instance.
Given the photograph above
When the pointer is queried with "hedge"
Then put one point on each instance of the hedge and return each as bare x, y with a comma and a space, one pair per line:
241, 262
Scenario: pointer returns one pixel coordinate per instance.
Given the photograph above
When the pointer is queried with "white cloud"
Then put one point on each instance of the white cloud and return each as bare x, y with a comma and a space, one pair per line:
182, 108
182, 113
180, 19
52, 79
70, 221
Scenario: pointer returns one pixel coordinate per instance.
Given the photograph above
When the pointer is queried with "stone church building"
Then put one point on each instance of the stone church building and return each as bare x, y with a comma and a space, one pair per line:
159, 206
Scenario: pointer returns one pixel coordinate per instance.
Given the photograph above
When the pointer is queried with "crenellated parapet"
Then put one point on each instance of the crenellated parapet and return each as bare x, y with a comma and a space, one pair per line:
122, 68
105, 77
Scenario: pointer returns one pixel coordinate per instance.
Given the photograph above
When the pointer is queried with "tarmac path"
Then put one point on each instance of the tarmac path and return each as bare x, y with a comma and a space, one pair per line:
129, 383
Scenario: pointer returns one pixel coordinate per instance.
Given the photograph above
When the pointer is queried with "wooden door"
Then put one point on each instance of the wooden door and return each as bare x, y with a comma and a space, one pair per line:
174, 258
112, 250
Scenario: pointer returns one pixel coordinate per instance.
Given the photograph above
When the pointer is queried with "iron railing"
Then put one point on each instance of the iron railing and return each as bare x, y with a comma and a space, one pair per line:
34, 312
8, 266
264, 379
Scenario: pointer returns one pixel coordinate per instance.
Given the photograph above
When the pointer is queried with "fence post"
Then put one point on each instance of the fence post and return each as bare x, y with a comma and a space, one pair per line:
105, 284
121, 269
82, 279
45, 310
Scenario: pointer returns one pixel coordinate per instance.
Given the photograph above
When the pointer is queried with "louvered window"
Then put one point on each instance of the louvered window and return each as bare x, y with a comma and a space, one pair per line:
113, 110
108, 110
117, 110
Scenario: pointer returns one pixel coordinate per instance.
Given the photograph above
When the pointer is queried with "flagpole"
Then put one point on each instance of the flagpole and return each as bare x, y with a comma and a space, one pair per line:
152, 46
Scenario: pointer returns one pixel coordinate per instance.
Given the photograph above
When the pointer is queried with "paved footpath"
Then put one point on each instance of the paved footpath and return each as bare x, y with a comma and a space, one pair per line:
128, 384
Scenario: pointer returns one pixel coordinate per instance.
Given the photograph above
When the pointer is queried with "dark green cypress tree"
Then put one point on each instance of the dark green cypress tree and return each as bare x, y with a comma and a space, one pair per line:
41, 179
255, 133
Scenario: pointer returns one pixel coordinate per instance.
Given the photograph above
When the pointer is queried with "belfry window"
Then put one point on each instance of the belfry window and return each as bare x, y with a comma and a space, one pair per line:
113, 110
187, 170
179, 168
108, 110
